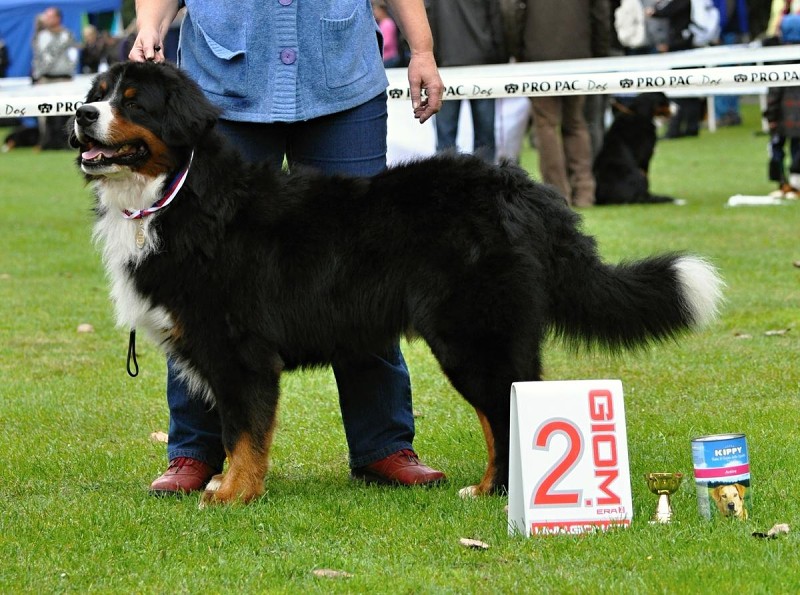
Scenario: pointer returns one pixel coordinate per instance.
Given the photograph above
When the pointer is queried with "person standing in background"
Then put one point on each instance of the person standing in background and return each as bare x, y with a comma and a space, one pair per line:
735, 28
562, 135
467, 33
783, 117
94, 50
596, 105
690, 109
55, 59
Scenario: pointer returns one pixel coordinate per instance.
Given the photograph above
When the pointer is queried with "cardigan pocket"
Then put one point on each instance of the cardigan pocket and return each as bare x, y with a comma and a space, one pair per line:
222, 70
344, 51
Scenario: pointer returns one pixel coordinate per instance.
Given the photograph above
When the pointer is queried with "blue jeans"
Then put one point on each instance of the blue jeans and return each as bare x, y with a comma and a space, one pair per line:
727, 105
482, 126
375, 392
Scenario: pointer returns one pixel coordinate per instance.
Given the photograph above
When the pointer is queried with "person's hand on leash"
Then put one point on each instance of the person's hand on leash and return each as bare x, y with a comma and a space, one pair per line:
153, 18
147, 47
423, 75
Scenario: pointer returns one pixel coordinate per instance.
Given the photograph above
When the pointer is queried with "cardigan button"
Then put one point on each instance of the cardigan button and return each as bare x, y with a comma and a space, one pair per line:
285, 2
288, 56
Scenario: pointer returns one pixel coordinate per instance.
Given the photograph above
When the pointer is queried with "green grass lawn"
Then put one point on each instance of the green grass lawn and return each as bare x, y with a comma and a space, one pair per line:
76, 454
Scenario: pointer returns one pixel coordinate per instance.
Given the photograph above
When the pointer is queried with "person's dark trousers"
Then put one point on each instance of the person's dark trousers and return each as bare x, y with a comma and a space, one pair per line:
687, 121
482, 126
594, 110
777, 157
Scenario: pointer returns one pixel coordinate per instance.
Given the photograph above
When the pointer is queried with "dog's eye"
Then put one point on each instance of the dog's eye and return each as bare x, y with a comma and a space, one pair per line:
132, 105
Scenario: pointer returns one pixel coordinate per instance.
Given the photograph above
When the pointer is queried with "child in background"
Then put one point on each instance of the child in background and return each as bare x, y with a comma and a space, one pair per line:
783, 117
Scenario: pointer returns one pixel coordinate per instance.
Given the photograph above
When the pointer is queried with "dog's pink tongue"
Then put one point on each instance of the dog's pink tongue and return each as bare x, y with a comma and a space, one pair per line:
94, 152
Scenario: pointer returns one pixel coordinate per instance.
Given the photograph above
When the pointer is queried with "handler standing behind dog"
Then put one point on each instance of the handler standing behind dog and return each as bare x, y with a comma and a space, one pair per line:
565, 30
304, 80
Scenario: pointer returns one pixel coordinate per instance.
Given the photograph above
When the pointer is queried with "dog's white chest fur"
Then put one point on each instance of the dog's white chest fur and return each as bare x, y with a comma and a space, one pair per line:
123, 251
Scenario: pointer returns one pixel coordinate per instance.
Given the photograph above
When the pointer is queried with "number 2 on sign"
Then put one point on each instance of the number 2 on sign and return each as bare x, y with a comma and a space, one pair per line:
604, 454
544, 494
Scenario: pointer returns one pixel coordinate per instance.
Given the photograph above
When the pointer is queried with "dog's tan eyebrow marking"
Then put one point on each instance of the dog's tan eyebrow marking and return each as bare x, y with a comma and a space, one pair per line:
129, 93
103, 86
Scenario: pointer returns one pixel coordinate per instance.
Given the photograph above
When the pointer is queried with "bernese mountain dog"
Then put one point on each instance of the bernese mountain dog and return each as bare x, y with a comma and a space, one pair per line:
622, 166
241, 271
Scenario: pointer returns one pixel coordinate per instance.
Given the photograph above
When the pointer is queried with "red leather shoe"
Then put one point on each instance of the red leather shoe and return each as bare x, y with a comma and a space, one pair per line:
401, 468
183, 475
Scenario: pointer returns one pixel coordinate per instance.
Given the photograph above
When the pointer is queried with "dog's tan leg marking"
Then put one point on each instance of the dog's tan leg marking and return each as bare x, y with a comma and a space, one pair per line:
244, 479
487, 483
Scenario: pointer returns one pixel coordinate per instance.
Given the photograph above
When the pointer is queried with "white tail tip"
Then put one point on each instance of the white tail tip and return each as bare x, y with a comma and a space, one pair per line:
702, 288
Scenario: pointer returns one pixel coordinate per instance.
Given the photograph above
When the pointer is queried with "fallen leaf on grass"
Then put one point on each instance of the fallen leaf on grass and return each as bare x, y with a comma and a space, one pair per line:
473, 544
328, 573
85, 327
796, 263
777, 332
773, 533
742, 336
159, 437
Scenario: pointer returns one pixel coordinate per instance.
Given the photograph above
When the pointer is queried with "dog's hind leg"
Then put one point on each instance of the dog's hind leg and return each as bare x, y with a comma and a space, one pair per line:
492, 479
483, 375
248, 425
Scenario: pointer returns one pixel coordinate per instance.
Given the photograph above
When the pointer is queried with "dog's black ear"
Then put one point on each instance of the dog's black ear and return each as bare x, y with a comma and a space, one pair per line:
189, 115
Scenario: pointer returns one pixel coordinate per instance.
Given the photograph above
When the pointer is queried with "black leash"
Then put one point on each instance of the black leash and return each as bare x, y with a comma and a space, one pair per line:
132, 355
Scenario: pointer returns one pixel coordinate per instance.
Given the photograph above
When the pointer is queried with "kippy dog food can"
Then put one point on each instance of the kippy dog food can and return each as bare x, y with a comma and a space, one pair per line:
722, 476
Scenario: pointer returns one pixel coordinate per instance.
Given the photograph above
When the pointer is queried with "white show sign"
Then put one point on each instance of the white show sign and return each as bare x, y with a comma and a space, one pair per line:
569, 470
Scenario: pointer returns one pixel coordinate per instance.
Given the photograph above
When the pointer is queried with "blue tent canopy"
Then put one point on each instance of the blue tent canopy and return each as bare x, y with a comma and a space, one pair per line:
17, 25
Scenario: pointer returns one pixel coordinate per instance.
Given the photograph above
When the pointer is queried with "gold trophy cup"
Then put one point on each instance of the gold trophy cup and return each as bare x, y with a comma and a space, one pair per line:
663, 484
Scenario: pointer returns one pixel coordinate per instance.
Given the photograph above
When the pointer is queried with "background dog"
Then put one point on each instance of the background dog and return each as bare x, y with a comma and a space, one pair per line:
241, 271
622, 165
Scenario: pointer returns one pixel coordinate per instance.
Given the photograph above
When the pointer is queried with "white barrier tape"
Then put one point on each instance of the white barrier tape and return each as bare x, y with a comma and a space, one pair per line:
511, 80
699, 81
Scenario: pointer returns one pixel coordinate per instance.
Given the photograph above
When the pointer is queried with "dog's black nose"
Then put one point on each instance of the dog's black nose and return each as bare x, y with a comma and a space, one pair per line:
86, 115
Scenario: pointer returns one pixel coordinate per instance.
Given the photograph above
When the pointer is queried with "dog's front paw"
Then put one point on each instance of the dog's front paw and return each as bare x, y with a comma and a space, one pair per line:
209, 495
225, 489
469, 492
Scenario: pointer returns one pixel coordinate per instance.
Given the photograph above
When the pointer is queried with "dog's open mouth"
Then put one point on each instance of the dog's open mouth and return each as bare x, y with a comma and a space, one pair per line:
96, 155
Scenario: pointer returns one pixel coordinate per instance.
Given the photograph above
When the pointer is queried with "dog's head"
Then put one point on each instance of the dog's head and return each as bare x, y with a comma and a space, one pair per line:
651, 105
141, 118
729, 499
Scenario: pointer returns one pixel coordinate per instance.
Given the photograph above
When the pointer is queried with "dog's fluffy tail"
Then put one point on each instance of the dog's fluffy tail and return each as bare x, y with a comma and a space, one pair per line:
632, 304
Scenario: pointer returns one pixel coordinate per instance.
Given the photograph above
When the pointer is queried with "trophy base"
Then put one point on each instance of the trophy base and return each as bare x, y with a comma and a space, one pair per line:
663, 513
